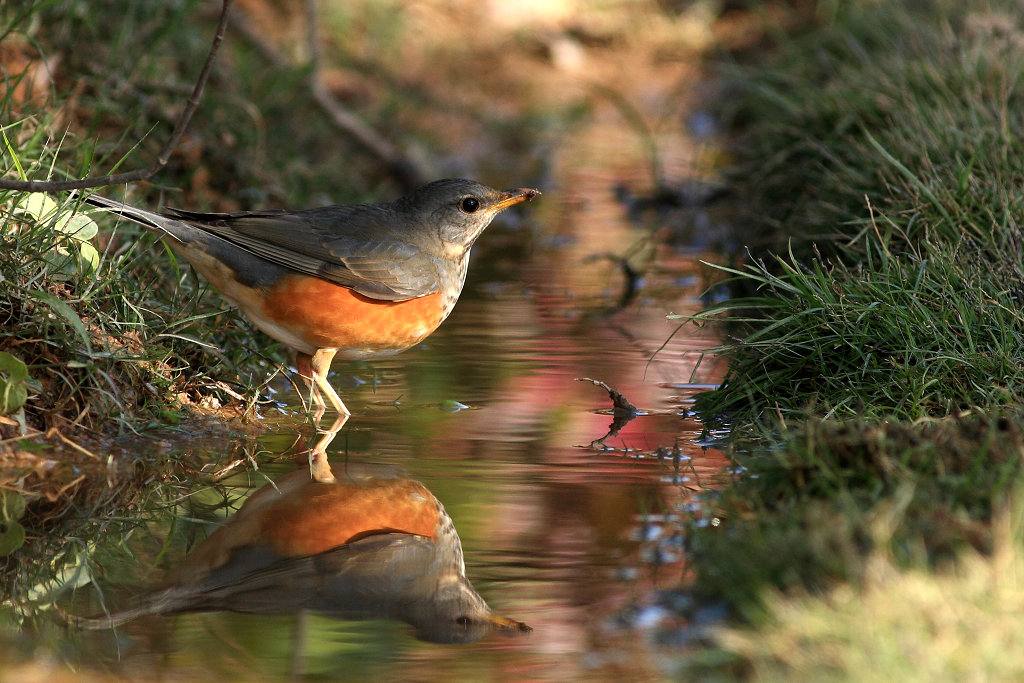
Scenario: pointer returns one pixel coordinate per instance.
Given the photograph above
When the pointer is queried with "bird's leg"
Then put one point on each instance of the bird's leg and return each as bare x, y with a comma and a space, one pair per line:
314, 370
320, 364
304, 366
319, 467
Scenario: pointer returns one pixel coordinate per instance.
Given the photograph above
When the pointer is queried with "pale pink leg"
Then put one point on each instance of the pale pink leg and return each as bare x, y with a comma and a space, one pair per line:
314, 370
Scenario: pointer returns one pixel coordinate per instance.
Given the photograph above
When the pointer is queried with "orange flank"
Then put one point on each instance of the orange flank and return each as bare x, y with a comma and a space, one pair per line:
329, 516
326, 315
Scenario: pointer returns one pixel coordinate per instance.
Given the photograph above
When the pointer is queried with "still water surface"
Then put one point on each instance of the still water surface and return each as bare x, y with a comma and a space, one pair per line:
570, 534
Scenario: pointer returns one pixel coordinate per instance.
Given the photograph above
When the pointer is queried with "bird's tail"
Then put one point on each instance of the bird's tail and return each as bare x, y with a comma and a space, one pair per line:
149, 219
161, 602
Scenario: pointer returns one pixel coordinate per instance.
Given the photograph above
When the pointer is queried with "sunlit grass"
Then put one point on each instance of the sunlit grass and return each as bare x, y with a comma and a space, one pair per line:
894, 335
877, 345
880, 162
962, 622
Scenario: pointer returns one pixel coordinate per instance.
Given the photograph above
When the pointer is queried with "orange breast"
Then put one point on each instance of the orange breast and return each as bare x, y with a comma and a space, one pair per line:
326, 315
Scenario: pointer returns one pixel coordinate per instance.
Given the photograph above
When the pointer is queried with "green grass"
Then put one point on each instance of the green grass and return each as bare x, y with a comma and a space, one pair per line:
962, 622
104, 344
876, 343
803, 513
124, 337
914, 109
883, 163
116, 337
894, 336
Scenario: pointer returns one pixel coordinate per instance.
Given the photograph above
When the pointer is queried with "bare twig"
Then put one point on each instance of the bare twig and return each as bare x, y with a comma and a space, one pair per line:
401, 168
312, 36
165, 155
620, 404
622, 411
398, 164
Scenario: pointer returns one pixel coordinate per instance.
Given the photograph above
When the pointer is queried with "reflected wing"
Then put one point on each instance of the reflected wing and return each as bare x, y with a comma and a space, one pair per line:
365, 578
357, 579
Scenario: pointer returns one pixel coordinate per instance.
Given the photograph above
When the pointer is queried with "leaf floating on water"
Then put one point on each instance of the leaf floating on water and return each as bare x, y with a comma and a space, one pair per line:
450, 406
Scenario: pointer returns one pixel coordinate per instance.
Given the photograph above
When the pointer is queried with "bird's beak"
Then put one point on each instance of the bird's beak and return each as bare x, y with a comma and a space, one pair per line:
517, 196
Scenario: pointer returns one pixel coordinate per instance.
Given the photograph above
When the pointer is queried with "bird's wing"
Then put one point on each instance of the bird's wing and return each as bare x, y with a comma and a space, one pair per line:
352, 246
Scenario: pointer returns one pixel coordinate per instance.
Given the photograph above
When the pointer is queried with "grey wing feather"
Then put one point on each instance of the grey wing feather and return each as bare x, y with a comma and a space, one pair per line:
332, 244
354, 579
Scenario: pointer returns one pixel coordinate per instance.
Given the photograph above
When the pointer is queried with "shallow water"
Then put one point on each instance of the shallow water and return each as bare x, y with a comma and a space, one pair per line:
570, 529
564, 527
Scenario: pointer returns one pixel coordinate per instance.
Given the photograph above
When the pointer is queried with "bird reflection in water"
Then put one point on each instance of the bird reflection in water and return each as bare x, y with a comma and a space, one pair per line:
372, 544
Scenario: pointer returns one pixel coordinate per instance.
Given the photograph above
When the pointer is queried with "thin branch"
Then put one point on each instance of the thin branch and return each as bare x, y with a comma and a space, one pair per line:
400, 166
312, 36
407, 173
165, 155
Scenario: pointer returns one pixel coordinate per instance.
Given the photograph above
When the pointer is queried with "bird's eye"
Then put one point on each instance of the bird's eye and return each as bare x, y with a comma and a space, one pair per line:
463, 621
470, 205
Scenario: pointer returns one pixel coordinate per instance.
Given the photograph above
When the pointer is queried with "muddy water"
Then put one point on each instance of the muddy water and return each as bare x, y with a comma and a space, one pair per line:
564, 526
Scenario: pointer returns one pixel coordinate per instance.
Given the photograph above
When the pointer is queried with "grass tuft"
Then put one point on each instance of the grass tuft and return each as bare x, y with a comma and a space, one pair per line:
876, 380
895, 336
882, 160
801, 514
916, 114
961, 623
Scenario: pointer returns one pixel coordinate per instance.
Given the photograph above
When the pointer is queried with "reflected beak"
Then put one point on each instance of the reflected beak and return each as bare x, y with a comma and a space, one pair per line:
504, 623
517, 196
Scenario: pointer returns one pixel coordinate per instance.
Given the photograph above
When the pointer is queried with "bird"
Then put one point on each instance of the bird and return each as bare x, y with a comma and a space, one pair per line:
374, 544
360, 281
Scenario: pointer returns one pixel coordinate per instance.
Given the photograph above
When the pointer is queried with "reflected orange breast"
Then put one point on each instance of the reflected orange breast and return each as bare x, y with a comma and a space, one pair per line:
327, 516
